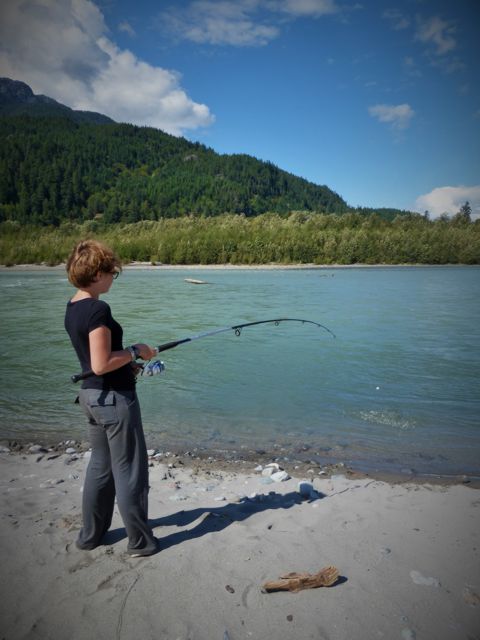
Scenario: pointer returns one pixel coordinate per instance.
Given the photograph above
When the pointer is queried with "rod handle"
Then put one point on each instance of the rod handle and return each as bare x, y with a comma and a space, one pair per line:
81, 376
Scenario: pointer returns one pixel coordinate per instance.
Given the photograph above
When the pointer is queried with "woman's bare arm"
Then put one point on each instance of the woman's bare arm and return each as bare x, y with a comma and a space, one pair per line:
104, 360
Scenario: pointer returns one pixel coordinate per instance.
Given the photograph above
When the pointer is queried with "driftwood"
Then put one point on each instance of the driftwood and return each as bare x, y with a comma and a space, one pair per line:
195, 281
326, 577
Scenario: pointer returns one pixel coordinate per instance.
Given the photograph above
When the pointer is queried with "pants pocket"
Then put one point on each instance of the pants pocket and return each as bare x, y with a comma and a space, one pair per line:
100, 406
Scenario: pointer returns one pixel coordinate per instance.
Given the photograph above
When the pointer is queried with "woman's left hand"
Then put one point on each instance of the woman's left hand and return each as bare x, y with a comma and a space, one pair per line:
137, 368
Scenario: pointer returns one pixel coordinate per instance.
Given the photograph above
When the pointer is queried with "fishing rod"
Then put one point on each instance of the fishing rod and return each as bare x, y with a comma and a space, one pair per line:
237, 328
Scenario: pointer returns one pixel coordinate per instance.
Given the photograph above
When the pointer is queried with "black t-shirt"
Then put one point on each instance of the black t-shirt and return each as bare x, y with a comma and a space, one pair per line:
84, 316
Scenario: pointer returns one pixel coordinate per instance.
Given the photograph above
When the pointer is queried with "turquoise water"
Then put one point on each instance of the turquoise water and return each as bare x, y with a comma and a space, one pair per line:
397, 389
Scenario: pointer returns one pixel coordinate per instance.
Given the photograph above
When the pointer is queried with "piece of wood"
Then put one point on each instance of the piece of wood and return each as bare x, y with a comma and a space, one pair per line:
194, 281
326, 577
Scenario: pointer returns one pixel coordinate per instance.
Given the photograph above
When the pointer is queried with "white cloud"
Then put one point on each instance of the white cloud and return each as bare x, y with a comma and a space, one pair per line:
449, 200
314, 8
132, 90
61, 49
237, 22
398, 116
436, 32
219, 23
127, 28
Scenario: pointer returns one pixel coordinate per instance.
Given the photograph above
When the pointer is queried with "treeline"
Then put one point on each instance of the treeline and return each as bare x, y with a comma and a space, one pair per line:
299, 238
54, 170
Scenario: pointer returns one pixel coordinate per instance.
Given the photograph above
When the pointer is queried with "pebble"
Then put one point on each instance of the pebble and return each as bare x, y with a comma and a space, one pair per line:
37, 448
4, 450
177, 498
471, 596
51, 482
417, 578
151, 452
270, 469
259, 468
70, 450
280, 476
220, 499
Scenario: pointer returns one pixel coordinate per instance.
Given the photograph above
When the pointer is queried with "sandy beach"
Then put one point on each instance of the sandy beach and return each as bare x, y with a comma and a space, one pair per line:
408, 556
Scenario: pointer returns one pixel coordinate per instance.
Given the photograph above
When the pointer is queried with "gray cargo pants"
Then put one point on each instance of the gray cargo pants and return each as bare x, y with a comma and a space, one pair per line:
118, 466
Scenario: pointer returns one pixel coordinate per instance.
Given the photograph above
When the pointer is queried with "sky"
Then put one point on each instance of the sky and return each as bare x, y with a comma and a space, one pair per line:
378, 100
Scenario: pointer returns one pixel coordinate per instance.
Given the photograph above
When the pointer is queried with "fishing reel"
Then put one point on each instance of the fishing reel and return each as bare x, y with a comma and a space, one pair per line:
152, 368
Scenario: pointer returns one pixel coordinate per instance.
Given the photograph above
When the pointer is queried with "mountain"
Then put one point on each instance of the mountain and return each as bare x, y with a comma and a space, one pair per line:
57, 164
54, 169
17, 98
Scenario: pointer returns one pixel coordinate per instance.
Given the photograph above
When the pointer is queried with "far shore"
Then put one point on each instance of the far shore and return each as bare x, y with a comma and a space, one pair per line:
235, 267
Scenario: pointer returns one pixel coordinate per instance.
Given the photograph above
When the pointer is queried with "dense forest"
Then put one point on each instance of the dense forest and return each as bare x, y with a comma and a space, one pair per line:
54, 169
299, 238
66, 175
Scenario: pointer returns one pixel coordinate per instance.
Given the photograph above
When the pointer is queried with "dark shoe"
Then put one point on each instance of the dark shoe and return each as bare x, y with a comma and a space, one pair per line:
146, 551
85, 547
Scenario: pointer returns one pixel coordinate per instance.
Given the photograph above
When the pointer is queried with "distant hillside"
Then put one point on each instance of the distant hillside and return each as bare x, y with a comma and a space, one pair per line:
17, 98
58, 164
53, 169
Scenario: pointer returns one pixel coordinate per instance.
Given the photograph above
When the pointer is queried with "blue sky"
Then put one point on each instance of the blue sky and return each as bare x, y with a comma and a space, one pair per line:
380, 101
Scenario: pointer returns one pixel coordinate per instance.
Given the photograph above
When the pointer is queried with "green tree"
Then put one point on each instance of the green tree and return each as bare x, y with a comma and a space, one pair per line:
464, 214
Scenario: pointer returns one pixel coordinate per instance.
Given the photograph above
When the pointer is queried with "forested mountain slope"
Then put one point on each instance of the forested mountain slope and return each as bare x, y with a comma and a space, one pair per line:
54, 169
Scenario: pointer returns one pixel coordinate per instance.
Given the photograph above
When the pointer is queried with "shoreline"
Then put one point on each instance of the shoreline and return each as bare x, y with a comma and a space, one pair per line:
407, 556
218, 459
240, 267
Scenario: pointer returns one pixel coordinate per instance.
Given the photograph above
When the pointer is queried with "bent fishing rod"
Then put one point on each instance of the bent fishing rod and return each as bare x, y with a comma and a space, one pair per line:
237, 328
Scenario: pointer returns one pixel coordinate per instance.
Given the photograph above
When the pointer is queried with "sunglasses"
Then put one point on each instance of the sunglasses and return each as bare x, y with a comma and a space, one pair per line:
115, 274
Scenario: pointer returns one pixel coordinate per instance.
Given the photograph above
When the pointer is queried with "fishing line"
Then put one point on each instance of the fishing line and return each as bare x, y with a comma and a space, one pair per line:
236, 328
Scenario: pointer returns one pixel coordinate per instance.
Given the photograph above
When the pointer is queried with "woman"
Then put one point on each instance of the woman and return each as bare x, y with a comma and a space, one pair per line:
118, 464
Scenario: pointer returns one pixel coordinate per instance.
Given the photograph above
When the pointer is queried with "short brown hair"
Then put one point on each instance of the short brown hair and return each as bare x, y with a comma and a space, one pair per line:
87, 259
